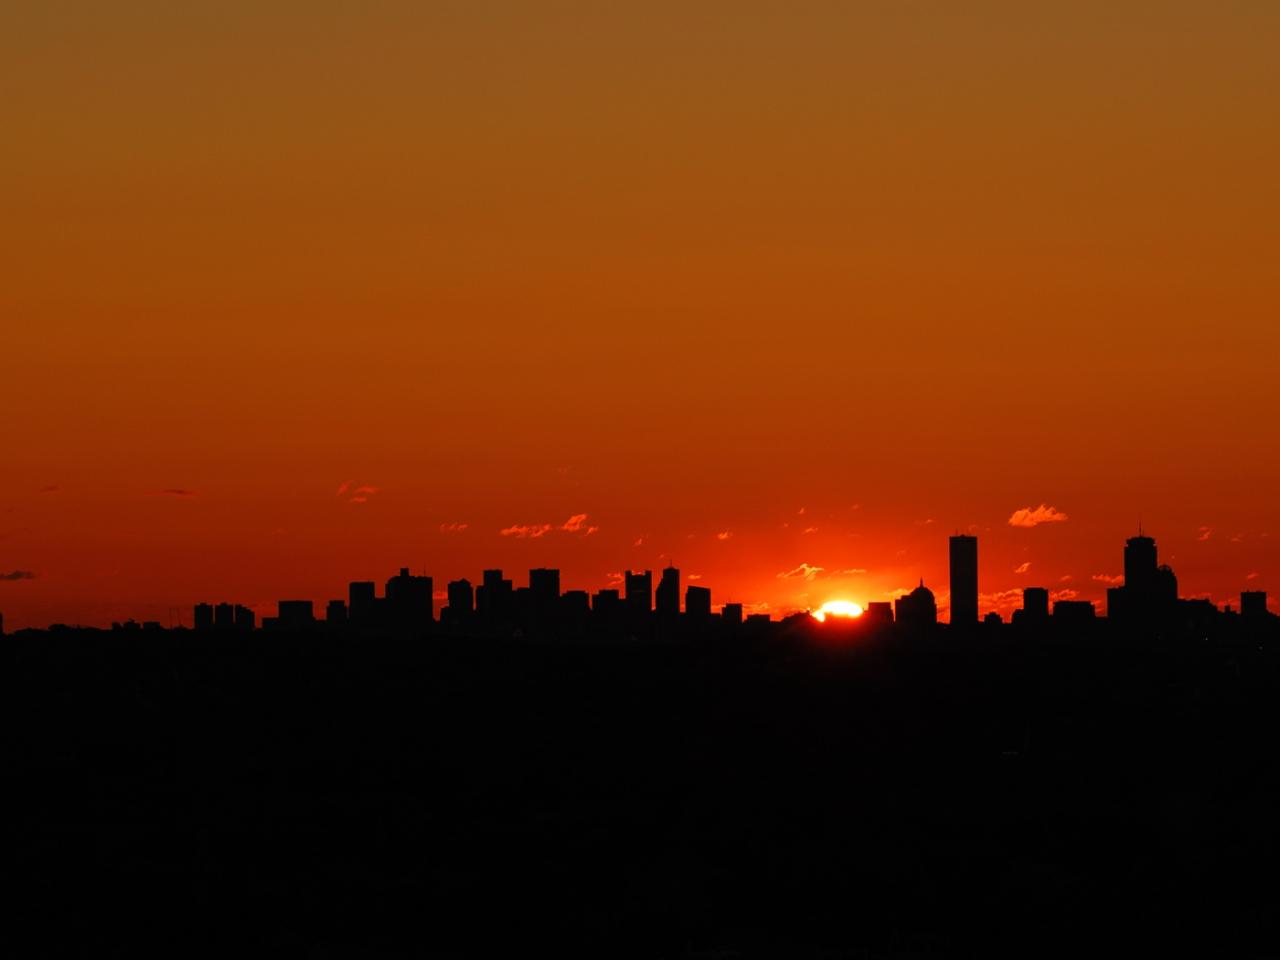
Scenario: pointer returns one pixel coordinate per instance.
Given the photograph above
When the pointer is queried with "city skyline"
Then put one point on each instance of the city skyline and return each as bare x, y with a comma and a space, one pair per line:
412, 600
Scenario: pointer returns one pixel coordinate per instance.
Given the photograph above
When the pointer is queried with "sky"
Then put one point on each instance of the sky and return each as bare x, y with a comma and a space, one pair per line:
293, 294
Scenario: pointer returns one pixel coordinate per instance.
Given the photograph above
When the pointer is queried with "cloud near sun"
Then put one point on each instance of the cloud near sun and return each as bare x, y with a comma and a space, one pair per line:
1033, 517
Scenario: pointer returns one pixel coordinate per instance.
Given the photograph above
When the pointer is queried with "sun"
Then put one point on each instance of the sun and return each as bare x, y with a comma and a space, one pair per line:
836, 608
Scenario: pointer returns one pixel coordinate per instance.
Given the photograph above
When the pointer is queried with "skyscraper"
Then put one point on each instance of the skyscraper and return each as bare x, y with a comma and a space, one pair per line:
668, 594
1140, 566
639, 592
964, 579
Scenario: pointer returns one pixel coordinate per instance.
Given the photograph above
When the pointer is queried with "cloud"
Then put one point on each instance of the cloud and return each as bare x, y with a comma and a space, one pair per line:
801, 512
1068, 594
639, 542
724, 535
1253, 575
1001, 600
1023, 567
1205, 534
18, 575
695, 576
51, 488
526, 530
1031, 517
356, 494
178, 492
928, 521
850, 572
452, 527
1065, 578
802, 572
577, 525
810, 529
1110, 579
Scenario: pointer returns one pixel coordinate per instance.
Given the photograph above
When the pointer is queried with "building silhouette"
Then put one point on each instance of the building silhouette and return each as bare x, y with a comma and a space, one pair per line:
639, 592
964, 580
461, 600
494, 596
362, 602
335, 613
668, 593
1150, 590
731, 614
879, 611
697, 602
918, 610
203, 619
1035, 605
1253, 604
409, 601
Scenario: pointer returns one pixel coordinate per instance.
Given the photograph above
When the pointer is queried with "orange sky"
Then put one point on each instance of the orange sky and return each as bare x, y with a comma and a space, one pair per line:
687, 268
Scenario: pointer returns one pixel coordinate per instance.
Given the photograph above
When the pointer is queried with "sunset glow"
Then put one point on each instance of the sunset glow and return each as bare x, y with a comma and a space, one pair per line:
836, 608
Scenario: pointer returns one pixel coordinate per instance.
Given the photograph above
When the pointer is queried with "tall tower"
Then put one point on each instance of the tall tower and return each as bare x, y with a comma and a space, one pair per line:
1140, 565
964, 579
668, 595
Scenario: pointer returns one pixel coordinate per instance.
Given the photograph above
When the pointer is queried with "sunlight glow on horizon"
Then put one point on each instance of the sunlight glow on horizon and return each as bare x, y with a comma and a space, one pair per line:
836, 608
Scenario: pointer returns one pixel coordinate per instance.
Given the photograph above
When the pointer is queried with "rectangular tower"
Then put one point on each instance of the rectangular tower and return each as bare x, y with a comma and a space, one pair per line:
964, 579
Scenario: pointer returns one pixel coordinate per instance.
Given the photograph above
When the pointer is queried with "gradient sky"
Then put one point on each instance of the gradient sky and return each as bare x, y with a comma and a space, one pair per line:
760, 287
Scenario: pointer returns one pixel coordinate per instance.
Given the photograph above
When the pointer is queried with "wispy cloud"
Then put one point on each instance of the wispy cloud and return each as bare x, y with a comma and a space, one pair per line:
578, 524
51, 488
522, 531
1034, 516
453, 527
1253, 575
850, 572
1205, 534
355, 493
1110, 579
574, 523
695, 576
724, 535
1023, 567
639, 541
18, 575
1067, 594
177, 492
803, 572
1065, 578
810, 529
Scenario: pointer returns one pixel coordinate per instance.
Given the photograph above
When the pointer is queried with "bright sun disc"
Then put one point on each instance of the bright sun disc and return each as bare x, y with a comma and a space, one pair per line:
836, 608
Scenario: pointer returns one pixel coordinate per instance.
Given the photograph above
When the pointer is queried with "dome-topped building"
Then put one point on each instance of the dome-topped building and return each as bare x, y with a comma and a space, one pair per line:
917, 609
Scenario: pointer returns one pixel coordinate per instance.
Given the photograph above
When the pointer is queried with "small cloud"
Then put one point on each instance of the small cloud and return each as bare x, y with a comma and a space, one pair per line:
1253, 575
1023, 567
695, 576
574, 523
590, 530
724, 535
1205, 534
453, 527
1110, 579
354, 493
929, 521
803, 572
526, 530
1032, 517
639, 541
1067, 594
1065, 578
856, 506
18, 575
850, 572
52, 488
178, 492
615, 579
810, 529
801, 512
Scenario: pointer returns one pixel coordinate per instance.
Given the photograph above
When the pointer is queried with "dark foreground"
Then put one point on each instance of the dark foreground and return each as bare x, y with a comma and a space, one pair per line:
333, 797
